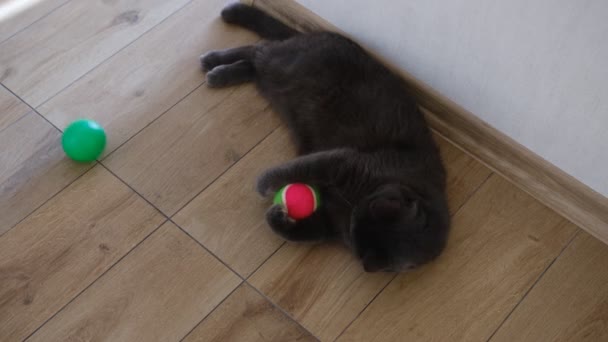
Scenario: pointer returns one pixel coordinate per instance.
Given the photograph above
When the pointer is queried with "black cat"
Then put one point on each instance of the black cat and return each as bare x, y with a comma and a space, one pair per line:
362, 141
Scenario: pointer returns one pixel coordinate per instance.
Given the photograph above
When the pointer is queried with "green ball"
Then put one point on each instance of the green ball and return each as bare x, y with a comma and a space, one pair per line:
84, 140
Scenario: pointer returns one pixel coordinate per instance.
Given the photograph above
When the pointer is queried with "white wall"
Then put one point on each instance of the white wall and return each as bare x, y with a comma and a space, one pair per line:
536, 70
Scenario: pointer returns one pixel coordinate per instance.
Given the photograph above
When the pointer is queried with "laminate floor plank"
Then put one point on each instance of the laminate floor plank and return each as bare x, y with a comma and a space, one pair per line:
53, 52
20, 14
158, 292
247, 316
570, 302
11, 108
33, 168
65, 245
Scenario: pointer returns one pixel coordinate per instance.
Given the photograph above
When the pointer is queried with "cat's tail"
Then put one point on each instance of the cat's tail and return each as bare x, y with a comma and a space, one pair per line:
257, 21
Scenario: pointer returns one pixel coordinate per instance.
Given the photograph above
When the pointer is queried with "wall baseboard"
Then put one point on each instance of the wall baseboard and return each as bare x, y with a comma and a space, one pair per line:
541, 179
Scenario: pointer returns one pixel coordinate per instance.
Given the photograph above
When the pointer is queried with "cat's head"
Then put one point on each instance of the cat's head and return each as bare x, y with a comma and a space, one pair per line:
394, 229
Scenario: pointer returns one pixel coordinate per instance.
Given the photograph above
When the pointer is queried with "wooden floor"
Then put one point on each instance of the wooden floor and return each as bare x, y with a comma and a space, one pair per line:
164, 238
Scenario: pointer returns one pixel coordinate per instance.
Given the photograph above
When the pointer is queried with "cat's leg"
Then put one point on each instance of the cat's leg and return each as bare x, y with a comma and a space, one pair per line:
258, 21
231, 74
319, 169
212, 59
312, 228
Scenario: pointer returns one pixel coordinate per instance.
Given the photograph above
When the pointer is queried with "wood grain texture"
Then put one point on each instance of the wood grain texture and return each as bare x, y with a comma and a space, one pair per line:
247, 316
159, 292
11, 109
501, 241
464, 174
52, 53
553, 187
21, 17
141, 82
187, 148
229, 216
570, 302
33, 168
325, 288
61, 248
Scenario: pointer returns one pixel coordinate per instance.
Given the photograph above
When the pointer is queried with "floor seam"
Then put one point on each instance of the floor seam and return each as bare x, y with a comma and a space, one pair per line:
245, 280
18, 119
227, 169
283, 311
366, 306
152, 121
538, 279
115, 53
165, 112
212, 311
479, 186
266, 259
96, 279
48, 200
34, 22
33, 109
207, 250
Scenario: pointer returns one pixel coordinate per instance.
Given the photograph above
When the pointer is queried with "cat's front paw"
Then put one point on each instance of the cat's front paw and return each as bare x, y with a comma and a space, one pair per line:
278, 219
265, 186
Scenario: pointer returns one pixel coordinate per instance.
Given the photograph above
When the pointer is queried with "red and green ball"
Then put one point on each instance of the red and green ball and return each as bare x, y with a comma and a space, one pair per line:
300, 200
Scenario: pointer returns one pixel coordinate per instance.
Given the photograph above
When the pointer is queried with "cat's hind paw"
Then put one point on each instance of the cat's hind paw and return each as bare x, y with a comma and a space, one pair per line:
210, 60
218, 77
235, 13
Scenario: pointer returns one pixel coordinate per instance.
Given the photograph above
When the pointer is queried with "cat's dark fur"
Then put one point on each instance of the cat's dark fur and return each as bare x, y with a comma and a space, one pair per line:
362, 140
